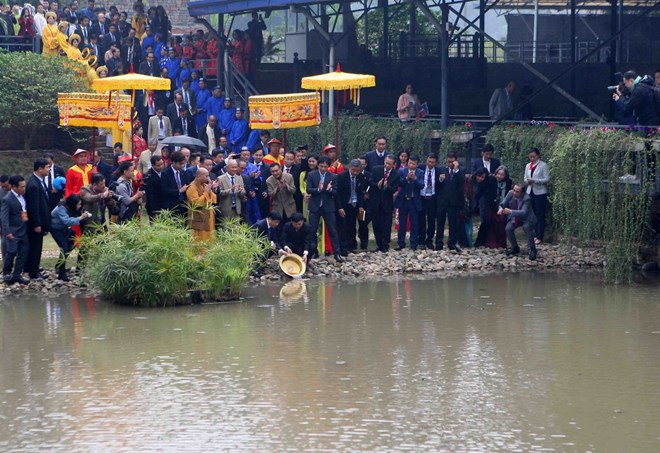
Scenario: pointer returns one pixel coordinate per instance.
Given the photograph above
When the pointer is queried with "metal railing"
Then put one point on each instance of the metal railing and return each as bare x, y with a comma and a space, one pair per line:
20, 43
237, 86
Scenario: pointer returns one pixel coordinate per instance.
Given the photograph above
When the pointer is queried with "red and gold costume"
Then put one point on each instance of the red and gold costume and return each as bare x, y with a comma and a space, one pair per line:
76, 177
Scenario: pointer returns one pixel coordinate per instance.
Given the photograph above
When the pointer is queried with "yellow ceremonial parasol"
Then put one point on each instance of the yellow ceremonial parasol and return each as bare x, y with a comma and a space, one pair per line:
339, 80
131, 82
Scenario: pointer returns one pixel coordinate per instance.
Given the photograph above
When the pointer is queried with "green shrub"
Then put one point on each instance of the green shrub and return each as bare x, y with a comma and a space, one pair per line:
160, 264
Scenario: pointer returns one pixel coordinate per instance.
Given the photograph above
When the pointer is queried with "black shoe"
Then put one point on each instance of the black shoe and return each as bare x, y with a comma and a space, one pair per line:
429, 245
38, 276
478, 244
422, 247
532, 254
6, 278
63, 277
413, 249
399, 248
438, 247
339, 258
20, 280
456, 249
344, 253
510, 252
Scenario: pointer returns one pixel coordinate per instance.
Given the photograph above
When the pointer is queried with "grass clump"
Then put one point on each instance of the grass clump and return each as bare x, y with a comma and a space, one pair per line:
160, 264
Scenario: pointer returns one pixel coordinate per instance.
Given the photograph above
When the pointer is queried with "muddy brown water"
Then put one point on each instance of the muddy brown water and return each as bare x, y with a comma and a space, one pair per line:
521, 362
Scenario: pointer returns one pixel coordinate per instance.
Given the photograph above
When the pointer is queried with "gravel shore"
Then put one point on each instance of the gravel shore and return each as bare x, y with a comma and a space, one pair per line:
378, 265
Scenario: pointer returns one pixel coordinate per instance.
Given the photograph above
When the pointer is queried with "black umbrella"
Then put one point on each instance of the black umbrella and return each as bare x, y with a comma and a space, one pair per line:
184, 140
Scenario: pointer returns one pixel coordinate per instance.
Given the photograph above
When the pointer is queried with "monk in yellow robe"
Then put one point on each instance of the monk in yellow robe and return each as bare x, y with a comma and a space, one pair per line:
49, 35
202, 199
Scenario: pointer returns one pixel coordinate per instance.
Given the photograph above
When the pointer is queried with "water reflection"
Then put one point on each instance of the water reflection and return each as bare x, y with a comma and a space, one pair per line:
520, 362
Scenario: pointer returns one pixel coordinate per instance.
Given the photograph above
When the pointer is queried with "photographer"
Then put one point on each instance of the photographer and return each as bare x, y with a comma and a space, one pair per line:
96, 198
641, 100
129, 201
63, 217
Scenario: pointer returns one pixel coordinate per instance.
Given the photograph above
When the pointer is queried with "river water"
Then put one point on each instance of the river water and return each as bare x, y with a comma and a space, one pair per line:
520, 362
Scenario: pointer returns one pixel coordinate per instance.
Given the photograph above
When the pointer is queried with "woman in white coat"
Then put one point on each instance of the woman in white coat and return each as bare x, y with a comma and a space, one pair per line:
537, 177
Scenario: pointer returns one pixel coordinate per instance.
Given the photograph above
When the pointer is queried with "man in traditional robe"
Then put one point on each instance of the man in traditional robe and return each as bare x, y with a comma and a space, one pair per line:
202, 198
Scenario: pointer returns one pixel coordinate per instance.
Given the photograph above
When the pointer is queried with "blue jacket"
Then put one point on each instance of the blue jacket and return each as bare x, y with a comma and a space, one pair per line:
61, 220
238, 134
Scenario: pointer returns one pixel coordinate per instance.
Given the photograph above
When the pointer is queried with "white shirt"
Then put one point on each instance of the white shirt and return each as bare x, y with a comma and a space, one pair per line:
20, 199
487, 165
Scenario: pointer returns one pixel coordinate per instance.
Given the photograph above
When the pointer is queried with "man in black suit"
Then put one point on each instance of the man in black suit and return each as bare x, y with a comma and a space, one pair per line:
102, 166
149, 66
451, 201
54, 195
487, 160
38, 211
321, 187
131, 52
428, 214
517, 206
173, 184
13, 224
384, 182
363, 225
268, 228
84, 31
210, 132
351, 185
174, 109
111, 38
100, 27
185, 122
260, 187
298, 237
153, 186
376, 158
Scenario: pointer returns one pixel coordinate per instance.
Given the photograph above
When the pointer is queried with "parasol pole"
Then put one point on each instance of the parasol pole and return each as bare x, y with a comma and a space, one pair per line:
93, 139
132, 113
331, 68
284, 138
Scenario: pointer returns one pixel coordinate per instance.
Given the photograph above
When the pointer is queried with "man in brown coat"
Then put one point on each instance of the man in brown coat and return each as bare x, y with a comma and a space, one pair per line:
281, 189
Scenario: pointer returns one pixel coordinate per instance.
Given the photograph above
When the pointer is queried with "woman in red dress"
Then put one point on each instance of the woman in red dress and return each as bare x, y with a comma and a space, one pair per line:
238, 52
139, 143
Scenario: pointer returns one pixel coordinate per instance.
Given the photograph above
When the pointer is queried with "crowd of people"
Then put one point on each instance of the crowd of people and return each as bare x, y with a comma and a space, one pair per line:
308, 204
116, 43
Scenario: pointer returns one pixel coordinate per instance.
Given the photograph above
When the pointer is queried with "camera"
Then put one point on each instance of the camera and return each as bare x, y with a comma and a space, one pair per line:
618, 79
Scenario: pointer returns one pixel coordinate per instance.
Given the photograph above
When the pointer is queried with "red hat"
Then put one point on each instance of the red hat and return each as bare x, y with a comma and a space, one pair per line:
328, 147
79, 151
273, 141
124, 158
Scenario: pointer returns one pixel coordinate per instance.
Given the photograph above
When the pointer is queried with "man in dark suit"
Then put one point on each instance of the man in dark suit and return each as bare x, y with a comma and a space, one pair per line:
54, 195
174, 109
487, 160
351, 185
485, 194
269, 228
409, 202
210, 129
149, 66
38, 211
101, 166
153, 186
384, 182
428, 214
321, 187
363, 225
450, 202
13, 224
376, 158
298, 237
185, 122
260, 186
131, 52
518, 206
173, 184
188, 95
111, 38
84, 31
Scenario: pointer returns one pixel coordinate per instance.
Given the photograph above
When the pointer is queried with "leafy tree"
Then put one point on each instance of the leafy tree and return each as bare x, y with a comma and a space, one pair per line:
29, 84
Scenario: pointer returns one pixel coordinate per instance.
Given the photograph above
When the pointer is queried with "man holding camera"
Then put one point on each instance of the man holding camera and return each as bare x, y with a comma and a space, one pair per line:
641, 100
